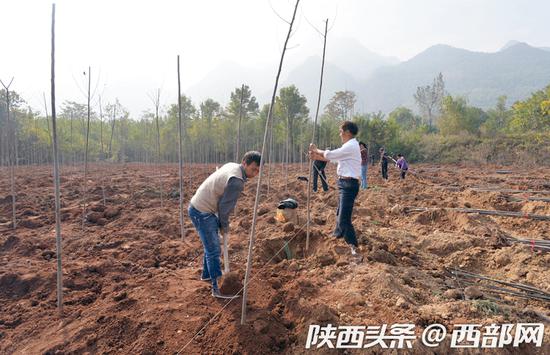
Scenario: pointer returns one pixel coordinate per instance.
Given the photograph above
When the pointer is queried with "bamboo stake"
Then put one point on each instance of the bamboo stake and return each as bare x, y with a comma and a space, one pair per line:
510, 191
56, 177
532, 292
483, 212
86, 151
259, 184
180, 153
313, 139
529, 198
270, 153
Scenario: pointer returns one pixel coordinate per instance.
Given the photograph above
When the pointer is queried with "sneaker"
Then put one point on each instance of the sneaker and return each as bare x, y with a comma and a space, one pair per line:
206, 279
216, 293
354, 250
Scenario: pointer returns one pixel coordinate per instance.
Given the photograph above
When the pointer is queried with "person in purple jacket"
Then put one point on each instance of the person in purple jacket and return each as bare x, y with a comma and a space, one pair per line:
402, 165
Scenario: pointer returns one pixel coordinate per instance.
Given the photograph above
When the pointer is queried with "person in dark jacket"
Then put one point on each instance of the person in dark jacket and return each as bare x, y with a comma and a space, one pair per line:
384, 163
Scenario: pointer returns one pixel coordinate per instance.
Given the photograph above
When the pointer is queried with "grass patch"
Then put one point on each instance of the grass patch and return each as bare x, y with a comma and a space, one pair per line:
487, 307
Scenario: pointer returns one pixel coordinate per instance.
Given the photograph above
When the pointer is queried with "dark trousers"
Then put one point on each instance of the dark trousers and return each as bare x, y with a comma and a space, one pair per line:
348, 190
323, 179
403, 173
385, 171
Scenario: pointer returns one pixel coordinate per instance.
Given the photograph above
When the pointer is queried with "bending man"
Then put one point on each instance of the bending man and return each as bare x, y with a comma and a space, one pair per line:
211, 206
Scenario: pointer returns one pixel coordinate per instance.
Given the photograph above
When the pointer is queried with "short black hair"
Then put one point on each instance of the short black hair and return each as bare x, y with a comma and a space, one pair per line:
252, 157
349, 126
363, 144
399, 155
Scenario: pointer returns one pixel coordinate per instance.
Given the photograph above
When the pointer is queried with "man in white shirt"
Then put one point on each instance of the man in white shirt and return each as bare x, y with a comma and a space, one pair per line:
348, 157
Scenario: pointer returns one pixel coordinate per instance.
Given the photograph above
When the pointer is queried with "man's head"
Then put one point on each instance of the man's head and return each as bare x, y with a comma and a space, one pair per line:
382, 150
251, 163
348, 130
400, 155
363, 144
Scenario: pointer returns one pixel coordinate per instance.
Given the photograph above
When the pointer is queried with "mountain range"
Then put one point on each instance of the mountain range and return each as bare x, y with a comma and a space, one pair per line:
383, 83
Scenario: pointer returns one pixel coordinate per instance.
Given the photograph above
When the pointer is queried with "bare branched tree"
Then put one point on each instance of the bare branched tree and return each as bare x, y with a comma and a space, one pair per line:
429, 99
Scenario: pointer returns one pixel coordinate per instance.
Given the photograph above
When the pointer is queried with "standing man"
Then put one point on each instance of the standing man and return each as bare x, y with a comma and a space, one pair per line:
319, 170
211, 206
384, 163
364, 164
348, 157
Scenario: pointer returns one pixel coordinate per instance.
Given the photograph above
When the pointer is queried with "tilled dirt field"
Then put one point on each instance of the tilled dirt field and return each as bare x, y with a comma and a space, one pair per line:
131, 285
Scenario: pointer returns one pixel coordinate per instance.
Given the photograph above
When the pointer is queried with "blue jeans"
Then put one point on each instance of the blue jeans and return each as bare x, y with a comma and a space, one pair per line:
207, 226
364, 169
348, 190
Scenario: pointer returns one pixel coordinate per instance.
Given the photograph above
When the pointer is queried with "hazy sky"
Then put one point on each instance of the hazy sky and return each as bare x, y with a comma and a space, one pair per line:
132, 45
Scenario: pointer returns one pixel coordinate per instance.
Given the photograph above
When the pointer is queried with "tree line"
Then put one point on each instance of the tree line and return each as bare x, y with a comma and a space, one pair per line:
446, 128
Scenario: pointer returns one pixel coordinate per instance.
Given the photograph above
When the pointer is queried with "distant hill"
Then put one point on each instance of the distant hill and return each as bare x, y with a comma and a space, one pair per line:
220, 82
515, 71
347, 62
382, 83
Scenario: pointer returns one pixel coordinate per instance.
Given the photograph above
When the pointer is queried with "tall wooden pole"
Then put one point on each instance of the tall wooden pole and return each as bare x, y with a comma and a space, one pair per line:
259, 184
313, 138
86, 151
180, 152
56, 178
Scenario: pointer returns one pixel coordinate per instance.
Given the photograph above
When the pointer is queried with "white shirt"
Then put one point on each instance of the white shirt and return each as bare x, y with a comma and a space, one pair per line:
348, 157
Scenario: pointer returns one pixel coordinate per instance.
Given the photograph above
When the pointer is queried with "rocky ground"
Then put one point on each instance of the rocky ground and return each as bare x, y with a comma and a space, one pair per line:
131, 285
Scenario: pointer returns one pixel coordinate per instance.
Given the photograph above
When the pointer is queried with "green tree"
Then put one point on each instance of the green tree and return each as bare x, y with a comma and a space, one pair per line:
291, 107
498, 117
341, 105
457, 117
249, 107
533, 114
405, 118
209, 109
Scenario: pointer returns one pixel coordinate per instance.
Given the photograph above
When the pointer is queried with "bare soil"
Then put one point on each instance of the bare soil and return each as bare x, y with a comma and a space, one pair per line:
132, 286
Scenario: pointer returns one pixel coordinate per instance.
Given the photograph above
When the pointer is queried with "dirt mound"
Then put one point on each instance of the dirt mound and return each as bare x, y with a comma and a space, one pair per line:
232, 283
14, 286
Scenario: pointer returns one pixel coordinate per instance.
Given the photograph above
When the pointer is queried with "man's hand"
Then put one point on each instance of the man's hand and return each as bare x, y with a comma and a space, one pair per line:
315, 153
